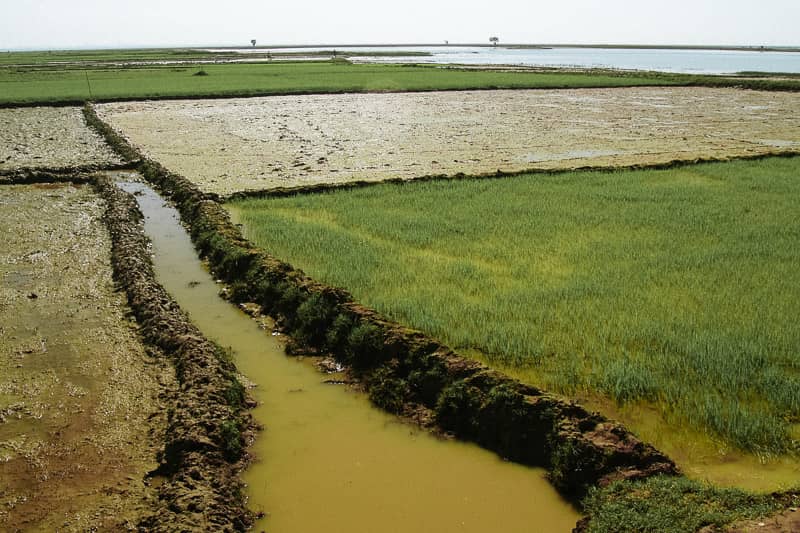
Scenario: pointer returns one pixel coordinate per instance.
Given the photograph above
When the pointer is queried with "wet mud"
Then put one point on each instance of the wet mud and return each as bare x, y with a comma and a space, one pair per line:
82, 405
51, 138
226, 146
786, 521
207, 424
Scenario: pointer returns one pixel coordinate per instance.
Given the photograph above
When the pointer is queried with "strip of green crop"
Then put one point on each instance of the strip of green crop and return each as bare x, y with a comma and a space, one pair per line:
115, 56
678, 287
672, 505
112, 58
22, 85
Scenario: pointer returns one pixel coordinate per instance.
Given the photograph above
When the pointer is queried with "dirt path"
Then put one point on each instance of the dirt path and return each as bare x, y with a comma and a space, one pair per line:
51, 137
286, 141
78, 393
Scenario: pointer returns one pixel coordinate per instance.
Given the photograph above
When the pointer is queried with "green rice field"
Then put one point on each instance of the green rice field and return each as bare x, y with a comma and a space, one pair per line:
26, 85
678, 288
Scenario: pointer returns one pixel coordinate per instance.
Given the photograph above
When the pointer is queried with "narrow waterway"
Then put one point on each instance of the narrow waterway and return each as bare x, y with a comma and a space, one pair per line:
327, 460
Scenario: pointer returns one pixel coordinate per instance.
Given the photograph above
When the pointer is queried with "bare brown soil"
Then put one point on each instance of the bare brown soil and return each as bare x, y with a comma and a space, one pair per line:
232, 145
786, 521
51, 137
81, 416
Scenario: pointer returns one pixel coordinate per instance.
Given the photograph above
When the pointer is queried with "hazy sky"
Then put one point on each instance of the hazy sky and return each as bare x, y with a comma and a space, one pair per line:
111, 23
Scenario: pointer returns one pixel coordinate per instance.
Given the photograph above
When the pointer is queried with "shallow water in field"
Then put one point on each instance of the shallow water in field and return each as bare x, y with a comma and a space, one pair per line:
327, 460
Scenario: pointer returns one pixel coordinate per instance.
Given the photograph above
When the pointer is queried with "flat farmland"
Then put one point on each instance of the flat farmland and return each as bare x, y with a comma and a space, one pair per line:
49, 137
79, 396
676, 289
232, 145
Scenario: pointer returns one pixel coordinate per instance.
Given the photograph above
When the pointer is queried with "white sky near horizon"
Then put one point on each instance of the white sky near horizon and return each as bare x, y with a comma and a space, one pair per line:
60, 24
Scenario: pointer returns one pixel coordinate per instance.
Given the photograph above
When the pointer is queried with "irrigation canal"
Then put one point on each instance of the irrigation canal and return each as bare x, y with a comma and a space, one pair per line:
329, 461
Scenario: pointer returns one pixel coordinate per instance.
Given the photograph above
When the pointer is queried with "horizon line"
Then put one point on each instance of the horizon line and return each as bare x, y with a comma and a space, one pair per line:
732, 47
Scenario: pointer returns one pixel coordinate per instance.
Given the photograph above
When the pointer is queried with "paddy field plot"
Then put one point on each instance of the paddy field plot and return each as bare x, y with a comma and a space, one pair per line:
677, 288
232, 145
49, 137
78, 394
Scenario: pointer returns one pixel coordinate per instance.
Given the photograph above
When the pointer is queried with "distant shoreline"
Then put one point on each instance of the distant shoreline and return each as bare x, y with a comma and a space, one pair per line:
526, 46
518, 46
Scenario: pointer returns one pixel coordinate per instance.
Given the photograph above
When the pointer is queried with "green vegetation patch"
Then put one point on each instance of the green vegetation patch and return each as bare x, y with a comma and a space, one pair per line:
25, 85
670, 505
57, 58
675, 287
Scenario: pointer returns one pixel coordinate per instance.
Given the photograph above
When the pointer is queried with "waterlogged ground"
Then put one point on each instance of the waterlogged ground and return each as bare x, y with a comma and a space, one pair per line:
285, 141
49, 137
76, 388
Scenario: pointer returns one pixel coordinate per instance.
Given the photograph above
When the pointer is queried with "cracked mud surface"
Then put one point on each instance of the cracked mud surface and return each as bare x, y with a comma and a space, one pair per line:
51, 137
232, 145
78, 393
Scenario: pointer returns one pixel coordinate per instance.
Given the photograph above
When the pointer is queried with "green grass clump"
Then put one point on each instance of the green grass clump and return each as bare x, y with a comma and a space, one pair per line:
670, 505
388, 391
364, 344
676, 287
230, 435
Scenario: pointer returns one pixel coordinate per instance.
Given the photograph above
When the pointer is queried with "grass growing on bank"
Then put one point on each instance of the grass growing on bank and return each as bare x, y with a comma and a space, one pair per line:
51, 85
671, 505
677, 287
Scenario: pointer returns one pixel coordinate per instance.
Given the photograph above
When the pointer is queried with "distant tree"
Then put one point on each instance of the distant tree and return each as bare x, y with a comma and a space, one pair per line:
494, 40
253, 42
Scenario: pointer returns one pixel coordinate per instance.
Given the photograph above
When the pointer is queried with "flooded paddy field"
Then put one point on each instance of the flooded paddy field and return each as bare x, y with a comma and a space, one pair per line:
233, 145
80, 407
49, 137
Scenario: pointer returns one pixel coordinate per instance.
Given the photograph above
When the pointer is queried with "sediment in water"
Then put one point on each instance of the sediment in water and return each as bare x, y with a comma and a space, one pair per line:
403, 370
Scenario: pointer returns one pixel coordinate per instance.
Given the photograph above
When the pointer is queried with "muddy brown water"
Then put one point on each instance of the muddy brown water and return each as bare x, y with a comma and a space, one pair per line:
327, 460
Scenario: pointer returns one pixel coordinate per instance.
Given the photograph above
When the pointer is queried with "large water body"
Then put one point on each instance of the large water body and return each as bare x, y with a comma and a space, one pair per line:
663, 60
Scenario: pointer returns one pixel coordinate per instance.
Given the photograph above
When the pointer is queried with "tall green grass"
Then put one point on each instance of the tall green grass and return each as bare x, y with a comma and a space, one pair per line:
678, 287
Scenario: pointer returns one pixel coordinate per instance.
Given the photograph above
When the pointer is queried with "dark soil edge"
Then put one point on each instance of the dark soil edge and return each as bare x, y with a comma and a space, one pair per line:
207, 423
79, 174
403, 370
283, 192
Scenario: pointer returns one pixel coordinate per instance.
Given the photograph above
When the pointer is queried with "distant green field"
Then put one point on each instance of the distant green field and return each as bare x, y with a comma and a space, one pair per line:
101, 56
679, 287
27, 85
110, 57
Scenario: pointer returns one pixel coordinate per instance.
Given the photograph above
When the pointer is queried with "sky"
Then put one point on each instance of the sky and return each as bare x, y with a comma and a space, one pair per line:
63, 24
